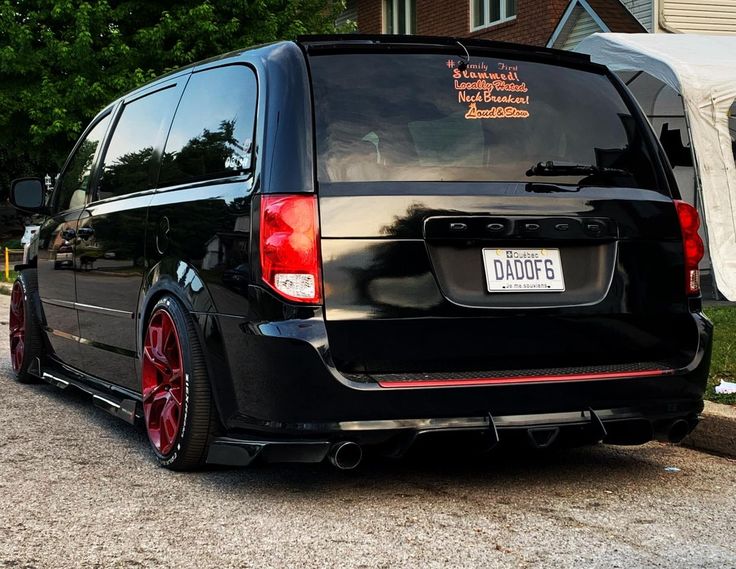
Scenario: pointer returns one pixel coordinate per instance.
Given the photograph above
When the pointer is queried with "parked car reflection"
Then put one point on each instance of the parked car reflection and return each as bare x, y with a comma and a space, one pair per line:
237, 278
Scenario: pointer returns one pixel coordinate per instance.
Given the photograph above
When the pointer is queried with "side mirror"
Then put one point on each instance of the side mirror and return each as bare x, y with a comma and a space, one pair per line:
27, 194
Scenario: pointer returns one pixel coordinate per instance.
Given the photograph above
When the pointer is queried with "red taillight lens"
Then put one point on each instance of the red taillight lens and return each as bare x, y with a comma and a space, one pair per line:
692, 245
289, 239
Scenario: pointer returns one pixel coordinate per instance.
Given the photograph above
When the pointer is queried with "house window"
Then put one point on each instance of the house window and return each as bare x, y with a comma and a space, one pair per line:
399, 17
489, 12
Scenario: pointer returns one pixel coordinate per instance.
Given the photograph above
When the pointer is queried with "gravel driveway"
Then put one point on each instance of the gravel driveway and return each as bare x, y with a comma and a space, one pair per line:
78, 488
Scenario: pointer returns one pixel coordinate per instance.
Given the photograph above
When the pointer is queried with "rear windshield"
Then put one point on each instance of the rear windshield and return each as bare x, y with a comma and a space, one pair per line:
422, 117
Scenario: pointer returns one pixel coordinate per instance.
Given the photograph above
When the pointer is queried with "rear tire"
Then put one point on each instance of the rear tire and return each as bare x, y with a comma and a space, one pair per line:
178, 412
26, 343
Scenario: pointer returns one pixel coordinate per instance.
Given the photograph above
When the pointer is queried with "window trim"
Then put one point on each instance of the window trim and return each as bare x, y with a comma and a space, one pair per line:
409, 16
487, 7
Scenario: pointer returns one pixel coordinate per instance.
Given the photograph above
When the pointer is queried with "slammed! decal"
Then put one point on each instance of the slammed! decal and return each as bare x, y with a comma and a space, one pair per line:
502, 89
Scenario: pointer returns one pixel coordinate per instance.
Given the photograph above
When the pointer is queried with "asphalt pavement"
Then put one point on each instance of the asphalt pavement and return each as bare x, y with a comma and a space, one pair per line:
79, 488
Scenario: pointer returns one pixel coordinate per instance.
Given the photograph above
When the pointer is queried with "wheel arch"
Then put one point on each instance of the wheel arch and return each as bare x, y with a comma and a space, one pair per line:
28, 276
181, 280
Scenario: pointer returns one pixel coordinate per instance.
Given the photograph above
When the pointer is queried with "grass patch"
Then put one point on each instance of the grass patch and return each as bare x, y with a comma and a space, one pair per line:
723, 364
11, 279
11, 276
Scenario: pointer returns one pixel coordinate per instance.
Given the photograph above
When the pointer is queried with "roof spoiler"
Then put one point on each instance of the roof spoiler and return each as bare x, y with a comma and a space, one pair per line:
333, 41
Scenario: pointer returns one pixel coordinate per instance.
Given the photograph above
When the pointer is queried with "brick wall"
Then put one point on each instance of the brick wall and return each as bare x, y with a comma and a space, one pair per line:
443, 17
370, 16
535, 20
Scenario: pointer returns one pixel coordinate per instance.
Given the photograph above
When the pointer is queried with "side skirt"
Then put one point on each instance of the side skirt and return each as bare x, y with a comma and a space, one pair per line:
116, 400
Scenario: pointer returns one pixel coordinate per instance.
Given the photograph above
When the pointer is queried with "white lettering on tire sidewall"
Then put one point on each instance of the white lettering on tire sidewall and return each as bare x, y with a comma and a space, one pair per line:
180, 437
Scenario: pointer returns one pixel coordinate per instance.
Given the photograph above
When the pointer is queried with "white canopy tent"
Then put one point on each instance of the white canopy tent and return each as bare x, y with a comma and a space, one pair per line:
702, 69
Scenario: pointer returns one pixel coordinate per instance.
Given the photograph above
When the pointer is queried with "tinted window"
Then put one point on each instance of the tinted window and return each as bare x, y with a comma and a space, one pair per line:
212, 132
417, 117
129, 160
74, 182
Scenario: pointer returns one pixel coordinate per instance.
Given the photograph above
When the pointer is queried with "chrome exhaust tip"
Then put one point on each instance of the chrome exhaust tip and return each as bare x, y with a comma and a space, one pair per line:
346, 455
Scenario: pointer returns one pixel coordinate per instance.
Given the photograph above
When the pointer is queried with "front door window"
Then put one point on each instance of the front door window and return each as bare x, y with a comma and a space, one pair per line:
74, 182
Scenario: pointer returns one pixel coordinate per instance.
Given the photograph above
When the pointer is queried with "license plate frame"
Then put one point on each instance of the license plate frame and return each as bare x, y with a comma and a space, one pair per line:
532, 266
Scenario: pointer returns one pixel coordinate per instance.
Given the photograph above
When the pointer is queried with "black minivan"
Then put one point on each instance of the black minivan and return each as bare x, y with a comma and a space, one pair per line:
307, 249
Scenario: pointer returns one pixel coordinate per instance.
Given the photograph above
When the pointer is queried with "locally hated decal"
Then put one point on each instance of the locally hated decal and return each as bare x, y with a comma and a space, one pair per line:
490, 94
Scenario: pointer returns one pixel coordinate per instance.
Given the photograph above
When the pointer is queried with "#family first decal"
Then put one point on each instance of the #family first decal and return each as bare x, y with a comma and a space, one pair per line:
490, 93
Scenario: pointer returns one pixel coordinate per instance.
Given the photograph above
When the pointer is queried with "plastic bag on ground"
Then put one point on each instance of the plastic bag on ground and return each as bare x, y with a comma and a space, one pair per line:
726, 387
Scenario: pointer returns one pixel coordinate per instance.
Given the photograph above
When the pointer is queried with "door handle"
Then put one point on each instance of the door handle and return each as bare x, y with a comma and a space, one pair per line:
85, 232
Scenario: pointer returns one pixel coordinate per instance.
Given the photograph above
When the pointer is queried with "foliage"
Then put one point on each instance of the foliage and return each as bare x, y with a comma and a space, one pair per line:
61, 61
211, 151
12, 275
723, 364
10, 244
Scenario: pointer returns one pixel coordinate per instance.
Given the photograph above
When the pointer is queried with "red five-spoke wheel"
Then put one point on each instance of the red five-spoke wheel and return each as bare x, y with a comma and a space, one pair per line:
177, 399
17, 326
26, 343
163, 382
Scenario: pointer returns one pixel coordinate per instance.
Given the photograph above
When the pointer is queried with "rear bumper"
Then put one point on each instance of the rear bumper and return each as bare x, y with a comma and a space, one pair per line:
670, 421
283, 383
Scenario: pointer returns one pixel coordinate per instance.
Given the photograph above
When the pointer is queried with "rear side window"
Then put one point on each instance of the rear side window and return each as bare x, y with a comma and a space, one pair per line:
418, 117
212, 133
130, 158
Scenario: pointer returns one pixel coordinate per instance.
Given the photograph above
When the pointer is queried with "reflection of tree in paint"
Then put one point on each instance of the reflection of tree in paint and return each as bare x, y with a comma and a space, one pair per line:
76, 177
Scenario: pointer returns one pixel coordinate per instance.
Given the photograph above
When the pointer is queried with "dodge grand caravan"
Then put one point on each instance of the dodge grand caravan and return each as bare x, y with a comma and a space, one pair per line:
303, 250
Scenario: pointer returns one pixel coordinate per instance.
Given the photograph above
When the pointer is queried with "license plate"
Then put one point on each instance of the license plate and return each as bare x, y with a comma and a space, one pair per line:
523, 270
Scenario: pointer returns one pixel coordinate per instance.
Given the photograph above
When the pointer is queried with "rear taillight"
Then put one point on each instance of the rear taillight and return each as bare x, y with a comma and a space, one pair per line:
692, 245
289, 239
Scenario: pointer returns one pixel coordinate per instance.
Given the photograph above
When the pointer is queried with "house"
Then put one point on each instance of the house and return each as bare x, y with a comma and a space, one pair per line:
685, 16
584, 17
554, 23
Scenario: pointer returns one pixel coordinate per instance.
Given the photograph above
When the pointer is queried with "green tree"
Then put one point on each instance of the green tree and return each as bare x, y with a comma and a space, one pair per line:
61, 61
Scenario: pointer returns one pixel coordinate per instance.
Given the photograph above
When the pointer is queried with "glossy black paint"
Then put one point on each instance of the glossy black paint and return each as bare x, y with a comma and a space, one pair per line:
55, 264
58, 238
401, 294
111, 254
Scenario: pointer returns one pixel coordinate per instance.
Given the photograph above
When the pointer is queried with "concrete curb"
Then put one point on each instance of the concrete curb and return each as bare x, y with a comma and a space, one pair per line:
716, 432
5, 288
